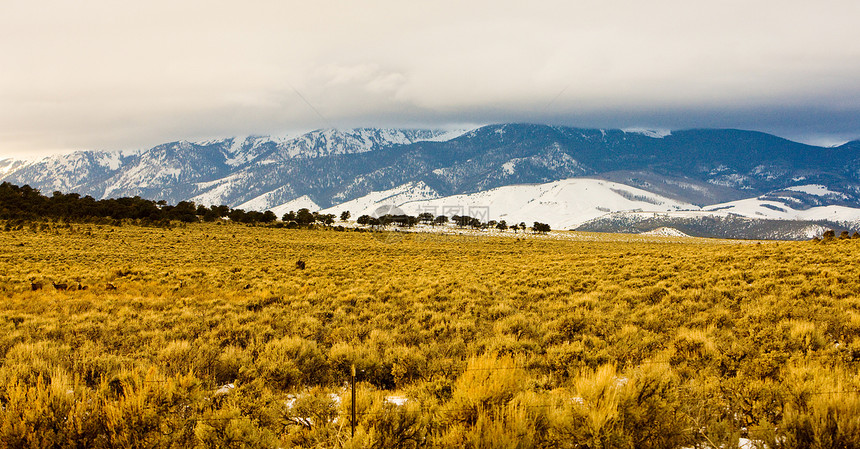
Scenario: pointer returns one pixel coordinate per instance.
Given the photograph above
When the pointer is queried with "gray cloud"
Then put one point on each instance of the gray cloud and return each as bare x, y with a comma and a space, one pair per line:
104, 74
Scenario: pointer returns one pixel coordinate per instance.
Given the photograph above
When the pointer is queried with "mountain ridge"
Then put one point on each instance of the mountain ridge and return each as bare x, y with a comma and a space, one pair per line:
700, 167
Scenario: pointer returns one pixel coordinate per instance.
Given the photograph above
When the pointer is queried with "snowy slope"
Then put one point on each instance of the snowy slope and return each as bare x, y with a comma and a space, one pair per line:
652, 133
665, 232
10, 165
302, 202
244, 149
817, 190
231, 171
278, 167
216, 192
776, 210
273, 199
65, 172
331, 142
367, 204
561, 204
792, 203
715, 224
795, 213
449, 135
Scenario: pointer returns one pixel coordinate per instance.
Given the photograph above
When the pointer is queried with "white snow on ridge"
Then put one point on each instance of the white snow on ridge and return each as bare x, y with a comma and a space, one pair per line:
216, 191
269, 200
8, 166
448, 135
110, 159
236, 144
235, 152
336, 141
815, 189
653, 133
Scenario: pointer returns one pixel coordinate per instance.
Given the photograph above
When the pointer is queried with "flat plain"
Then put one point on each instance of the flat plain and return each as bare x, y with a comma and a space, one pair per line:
210, 335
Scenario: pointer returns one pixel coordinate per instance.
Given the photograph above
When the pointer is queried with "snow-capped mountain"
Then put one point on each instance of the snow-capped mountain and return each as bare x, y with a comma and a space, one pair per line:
230, 171
510, 168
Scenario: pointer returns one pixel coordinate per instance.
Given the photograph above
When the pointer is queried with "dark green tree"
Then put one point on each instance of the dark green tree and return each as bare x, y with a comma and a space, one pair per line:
269, 217
304, 217
426, 217
540, 228
184, 211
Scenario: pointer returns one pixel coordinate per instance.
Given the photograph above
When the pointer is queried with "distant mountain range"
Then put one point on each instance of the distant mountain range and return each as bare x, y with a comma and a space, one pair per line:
568, 177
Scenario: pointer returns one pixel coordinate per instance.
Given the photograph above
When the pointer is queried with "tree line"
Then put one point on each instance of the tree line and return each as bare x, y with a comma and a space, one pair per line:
461, 221
27, 203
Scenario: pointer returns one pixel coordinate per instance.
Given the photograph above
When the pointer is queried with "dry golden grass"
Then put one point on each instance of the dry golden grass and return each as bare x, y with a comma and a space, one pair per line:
605, 340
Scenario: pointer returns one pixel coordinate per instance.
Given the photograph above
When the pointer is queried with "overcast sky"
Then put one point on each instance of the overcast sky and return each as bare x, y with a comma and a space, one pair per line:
126, 75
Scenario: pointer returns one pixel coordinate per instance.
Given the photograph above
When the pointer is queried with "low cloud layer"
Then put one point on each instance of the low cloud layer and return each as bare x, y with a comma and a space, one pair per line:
107, 75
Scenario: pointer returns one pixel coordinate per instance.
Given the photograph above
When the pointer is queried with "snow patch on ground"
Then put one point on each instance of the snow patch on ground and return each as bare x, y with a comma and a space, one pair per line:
224, 389
743, 443
398, 401
665, 232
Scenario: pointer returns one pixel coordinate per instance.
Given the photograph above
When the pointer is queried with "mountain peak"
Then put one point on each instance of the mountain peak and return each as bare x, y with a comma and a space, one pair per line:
653, 133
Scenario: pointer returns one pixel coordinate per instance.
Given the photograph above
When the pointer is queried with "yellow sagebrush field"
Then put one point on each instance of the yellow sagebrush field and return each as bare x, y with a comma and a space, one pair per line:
210, 335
